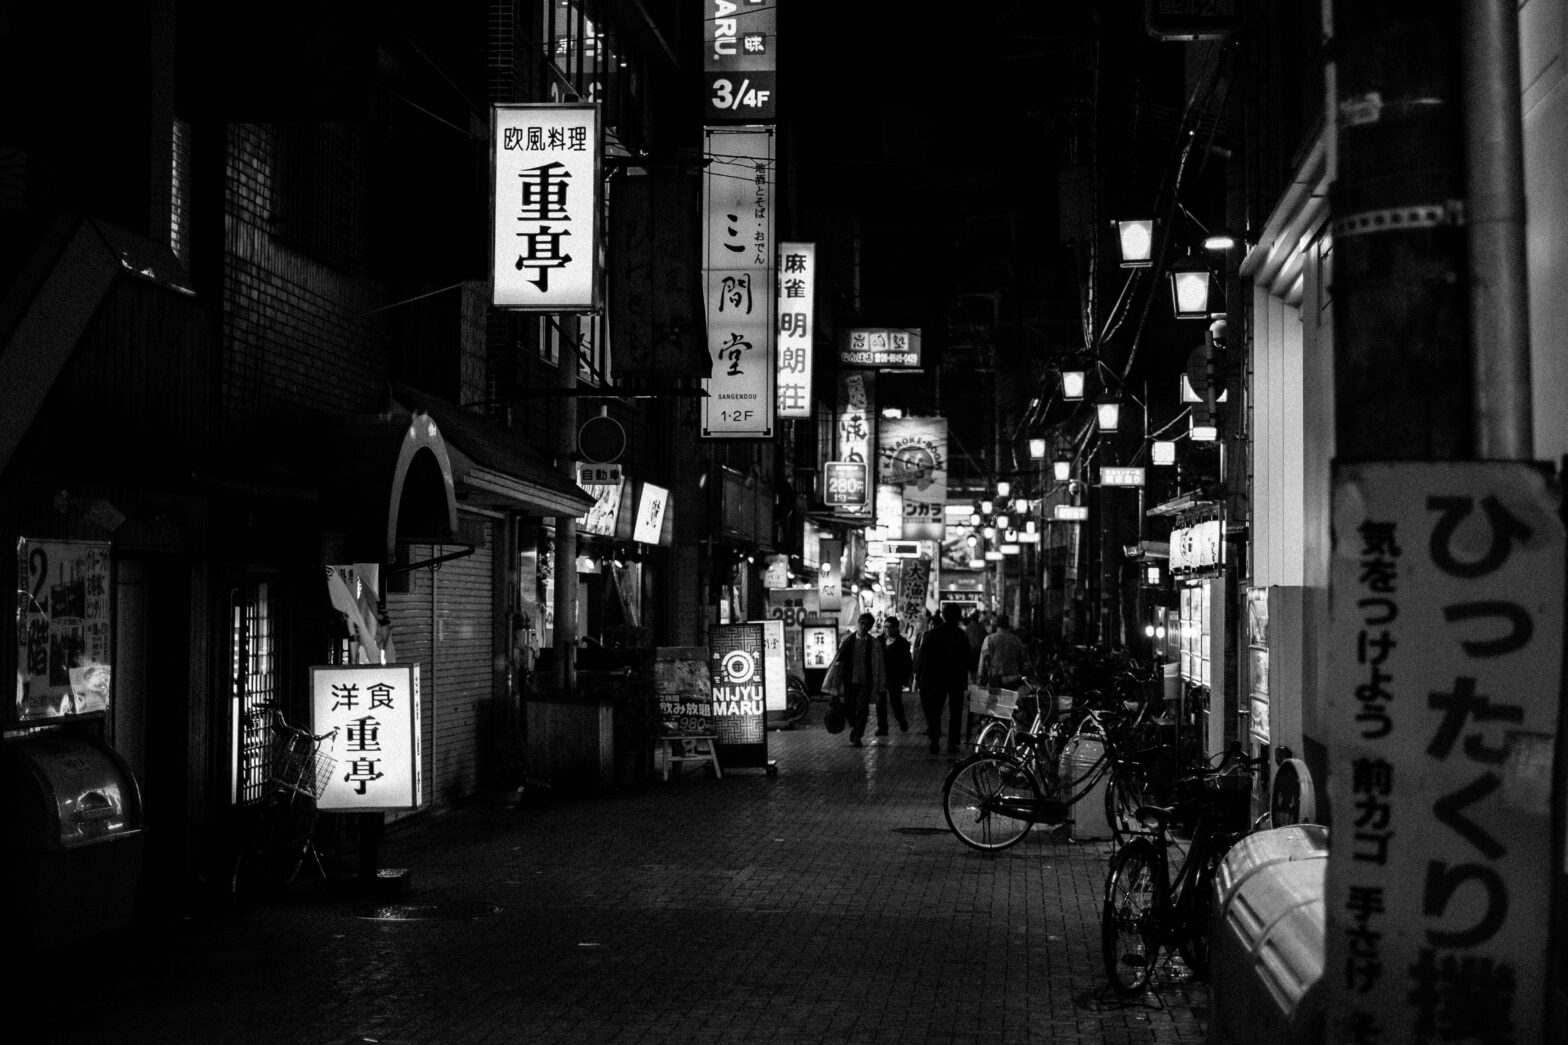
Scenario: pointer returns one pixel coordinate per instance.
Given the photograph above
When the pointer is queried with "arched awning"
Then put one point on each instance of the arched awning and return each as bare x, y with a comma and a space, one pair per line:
386, 480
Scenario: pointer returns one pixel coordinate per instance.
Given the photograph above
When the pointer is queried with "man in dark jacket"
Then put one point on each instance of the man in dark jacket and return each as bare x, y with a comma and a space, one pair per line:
944, 677
897, 664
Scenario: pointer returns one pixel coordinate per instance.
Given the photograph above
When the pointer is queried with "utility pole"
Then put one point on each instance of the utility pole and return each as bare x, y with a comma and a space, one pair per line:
566, 526
1440, 871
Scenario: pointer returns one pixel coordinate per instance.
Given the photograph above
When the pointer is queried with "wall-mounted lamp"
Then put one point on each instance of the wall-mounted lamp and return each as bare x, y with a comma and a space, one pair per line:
1072, 384
974, 519
989, 533
1163, 451
1201, 433
1109, 413
1219, 240
987, 506
1036, 449
1189, 288
1136, 239
1062, 470
1003, 487
1001, 521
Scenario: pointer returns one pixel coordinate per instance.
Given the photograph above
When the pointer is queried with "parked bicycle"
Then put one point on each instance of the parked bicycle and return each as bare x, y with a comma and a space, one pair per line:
994, 798
281, 829
1146, 910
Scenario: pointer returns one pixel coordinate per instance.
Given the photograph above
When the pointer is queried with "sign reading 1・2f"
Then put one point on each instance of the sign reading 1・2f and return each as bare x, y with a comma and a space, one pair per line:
740, 60
545, 187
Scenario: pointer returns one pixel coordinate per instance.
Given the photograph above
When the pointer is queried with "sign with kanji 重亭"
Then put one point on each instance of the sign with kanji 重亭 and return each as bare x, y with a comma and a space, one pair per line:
376, 750
1445, 671
545, 185
738, 273
797, 276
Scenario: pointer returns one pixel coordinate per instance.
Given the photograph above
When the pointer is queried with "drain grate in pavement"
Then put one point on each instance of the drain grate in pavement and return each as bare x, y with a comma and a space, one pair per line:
460, 910
921, 830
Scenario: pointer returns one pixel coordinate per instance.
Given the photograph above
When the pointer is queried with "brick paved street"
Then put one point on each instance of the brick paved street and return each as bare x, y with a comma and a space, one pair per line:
828, 903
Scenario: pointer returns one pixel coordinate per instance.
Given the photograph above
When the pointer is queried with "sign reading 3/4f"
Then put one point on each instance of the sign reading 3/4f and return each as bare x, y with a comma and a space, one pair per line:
544, 164
740, 60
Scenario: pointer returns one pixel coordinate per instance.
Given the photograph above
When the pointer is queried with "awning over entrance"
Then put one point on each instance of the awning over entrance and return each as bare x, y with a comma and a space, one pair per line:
494, 467
386, 480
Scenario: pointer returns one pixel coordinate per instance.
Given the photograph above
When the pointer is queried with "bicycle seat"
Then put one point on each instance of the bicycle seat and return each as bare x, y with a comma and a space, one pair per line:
1161, 815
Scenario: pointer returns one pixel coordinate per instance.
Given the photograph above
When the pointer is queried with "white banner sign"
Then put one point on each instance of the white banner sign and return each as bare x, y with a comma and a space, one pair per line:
545, 184
650, 514
375, 710
738, 278
853, 433
775, 684
1445, 668
912, 456
797, 276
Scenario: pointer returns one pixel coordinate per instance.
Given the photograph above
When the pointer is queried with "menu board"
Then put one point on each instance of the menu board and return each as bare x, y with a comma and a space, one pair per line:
681, 679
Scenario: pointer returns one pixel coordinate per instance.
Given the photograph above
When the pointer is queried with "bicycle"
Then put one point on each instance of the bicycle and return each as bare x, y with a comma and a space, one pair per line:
1146, 911
283, 821
993, 799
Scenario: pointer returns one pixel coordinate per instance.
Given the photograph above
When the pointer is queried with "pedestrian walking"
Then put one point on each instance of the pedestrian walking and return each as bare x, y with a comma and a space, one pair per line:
898, 664
976, 632
1002, 657
857, 671
944, 677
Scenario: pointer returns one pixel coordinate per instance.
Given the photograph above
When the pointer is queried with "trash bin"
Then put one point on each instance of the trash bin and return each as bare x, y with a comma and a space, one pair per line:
74, 826
1267, 943
1079, 757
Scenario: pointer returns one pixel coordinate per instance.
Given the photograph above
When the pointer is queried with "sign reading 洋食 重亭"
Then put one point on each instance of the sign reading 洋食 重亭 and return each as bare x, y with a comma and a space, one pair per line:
375, 710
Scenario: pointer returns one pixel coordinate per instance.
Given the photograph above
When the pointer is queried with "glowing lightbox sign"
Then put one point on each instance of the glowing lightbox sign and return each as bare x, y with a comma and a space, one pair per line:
797, 275
545, 188
650, 514
376, 752
738, 267
1119, 475
1071, 513
879, 348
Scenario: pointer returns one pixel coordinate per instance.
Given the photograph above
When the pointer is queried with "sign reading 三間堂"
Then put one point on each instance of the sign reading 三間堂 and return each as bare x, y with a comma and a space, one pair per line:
375, 710
740, 61
738, 283
1445, 653
545, 185
738, 662
797, 275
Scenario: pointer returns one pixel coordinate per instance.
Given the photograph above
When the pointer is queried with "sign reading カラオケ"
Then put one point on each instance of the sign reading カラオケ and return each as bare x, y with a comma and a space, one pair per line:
1445, 670
545, 185
375, 709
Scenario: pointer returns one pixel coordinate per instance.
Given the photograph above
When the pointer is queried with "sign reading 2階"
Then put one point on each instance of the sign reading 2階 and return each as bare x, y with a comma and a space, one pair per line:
738, 658
375, 710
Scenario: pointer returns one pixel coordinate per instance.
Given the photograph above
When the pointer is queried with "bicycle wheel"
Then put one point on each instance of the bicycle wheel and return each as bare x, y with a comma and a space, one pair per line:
1135, 895
1124, 793
989, 802
996, 738
271, 859
1197, 915
797, 702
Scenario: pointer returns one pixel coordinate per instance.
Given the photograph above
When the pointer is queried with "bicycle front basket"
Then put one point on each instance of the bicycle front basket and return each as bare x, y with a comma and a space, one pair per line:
302, 767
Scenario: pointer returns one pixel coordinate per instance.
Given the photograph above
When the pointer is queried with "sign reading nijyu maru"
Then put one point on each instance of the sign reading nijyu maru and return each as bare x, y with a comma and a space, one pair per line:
738, 658
1446, 657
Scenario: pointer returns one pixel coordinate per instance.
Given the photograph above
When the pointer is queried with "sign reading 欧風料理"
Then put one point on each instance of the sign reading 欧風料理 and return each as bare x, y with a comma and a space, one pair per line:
544, 165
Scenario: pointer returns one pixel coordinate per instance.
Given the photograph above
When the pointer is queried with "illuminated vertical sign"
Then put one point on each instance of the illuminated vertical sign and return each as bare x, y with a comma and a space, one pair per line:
544, 169
651, 506
372, 763
740, 61
739, 666
738, 278
797, 275
852, 433
912, 454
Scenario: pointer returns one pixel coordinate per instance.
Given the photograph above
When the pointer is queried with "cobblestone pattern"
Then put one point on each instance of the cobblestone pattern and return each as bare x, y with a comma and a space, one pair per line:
828, 903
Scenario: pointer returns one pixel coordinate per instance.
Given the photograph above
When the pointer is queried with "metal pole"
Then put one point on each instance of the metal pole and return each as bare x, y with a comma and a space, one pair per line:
566, 528
1494, 215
